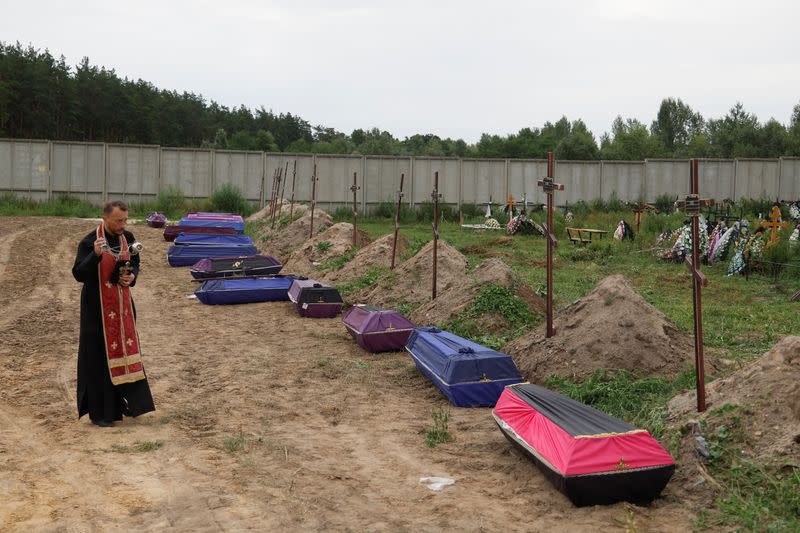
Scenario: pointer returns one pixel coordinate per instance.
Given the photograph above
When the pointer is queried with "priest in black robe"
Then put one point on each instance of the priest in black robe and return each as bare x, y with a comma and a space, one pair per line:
105, 401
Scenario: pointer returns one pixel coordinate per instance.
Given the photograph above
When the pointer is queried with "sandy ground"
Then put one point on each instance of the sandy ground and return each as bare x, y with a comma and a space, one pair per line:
334, 437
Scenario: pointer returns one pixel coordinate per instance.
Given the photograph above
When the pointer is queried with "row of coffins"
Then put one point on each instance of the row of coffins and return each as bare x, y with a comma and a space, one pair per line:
591, 457
207, 236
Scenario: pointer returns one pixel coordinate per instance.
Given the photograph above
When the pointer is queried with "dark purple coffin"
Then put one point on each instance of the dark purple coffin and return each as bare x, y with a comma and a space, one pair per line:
377, 330
156, 220
172, 232
242, 266
315, 299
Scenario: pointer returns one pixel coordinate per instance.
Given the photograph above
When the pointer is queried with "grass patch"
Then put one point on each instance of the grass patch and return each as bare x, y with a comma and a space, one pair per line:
324, 246
338, 262
439, 433
138, 447
367, 280
641, 402
60, 206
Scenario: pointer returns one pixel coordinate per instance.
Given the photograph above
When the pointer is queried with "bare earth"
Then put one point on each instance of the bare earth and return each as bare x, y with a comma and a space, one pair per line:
268, 422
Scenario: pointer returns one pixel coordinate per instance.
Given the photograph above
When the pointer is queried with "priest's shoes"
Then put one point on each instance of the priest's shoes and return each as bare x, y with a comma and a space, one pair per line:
103, 423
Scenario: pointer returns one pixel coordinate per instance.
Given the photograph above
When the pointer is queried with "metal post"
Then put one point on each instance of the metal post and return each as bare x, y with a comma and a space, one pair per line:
696, 293
313, 199
435, 197
275, 202
397, 220
291, 202
549, 188
355, 188
283, 187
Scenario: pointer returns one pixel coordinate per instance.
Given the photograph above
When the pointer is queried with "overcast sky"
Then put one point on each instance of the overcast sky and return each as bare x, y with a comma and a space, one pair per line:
456, 69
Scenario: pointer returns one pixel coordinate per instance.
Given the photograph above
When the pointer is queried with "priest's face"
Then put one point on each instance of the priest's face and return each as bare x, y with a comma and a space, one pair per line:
116, 221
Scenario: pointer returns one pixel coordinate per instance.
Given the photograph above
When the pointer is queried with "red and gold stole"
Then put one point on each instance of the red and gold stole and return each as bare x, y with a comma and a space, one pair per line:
119, 326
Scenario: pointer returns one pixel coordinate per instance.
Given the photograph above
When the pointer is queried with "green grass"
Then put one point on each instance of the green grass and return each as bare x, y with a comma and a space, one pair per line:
367, 280
138, 447
439, 433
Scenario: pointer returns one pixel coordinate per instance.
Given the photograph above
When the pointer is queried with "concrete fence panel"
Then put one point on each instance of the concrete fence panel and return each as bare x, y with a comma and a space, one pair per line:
25, 167
581, 180
188, 170
790, 179
335, 175
666, 177
423, 180
382, 180
756, 178
623, 179
484, 180
78, 168
716, 178
243, 170
132, 172
522, 178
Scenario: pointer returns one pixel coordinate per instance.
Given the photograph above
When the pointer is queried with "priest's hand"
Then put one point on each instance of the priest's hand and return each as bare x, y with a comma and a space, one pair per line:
98, 246
126, 279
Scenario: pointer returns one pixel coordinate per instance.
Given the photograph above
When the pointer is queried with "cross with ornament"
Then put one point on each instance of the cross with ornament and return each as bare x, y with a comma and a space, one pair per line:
641, 208
692, 206
549, 186
774, 225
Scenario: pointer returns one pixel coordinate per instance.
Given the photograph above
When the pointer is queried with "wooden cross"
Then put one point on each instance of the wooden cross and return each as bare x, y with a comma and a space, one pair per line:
774, 225
639, 209
278, 179
692, 206
397, 220
354, 187
435, 195
510, 206
550, 187
291, 202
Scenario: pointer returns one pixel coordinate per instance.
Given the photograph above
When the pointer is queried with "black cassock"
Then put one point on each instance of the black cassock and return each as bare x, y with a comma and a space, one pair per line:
96, 394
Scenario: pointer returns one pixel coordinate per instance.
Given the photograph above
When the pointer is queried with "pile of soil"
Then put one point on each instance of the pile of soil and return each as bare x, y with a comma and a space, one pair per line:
410, 282
461, 294
768, 391
307, 259
281, 243
376, 254
610, 328
284, 208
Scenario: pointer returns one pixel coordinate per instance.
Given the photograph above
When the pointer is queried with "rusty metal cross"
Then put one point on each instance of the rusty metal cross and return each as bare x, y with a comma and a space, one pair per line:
397, 219
435, 195
354, 187
692, 206
313, 200
550, 187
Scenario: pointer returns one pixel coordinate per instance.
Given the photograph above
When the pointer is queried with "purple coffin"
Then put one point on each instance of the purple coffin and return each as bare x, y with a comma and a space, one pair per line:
172, 232
238, 267
377, 330
315, 299
228, 217
156, 220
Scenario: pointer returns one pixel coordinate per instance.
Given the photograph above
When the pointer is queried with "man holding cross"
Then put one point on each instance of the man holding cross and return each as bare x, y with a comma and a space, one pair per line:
111, 378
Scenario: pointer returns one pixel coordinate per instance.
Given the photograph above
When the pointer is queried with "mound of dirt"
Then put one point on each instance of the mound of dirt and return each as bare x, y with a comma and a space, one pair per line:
284, 208
281, 243
376, 254
612, 327
461, 294
768, 393
332, 243
410, 282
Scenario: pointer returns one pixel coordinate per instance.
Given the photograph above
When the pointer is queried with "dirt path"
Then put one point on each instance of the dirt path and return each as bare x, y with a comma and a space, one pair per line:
266, 421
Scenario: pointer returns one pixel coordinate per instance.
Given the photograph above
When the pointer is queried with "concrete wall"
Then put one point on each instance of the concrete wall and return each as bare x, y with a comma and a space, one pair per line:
97, 172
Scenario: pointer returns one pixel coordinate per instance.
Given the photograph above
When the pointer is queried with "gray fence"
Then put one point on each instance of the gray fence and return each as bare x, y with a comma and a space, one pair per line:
99, 172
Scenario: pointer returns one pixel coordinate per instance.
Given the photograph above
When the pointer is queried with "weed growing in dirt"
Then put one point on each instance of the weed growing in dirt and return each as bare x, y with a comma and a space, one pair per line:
338, 262
324, 246
60, 206
439, 433
138, 446
229, 199
367, 280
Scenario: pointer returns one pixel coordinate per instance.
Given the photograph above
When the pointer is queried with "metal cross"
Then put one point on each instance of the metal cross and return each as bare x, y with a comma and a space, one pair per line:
397, 220
774, 225
435, 195
275, 206
550, 187
354, 187
313, 200
692, 206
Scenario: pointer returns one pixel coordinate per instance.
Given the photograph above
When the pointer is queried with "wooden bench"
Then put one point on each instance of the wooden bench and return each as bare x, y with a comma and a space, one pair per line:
584, 235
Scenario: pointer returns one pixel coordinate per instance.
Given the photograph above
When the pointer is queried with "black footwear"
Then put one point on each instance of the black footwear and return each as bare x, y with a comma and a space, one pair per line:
103, 423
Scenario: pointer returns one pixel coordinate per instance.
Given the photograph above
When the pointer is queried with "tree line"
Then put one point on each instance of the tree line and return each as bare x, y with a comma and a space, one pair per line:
41, 97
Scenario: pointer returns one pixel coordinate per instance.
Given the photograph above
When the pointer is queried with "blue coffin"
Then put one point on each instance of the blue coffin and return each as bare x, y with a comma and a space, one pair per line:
470, 375
236, 225
197, 239
244, 290
189, 254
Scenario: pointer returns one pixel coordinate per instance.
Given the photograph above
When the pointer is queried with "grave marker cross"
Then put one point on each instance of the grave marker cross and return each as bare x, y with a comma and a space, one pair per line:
692, 206
354, 187
550, 187
774, 225
397, 219
435, 195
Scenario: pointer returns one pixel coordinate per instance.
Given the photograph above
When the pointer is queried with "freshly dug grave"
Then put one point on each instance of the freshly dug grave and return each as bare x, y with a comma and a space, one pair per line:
284, 208
410, 282
375, 255
612, 327
281, 243
461, 295
336, 241
767, 393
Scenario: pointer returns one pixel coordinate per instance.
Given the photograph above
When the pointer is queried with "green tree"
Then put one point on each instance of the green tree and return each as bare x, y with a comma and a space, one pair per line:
675, 126
629, 141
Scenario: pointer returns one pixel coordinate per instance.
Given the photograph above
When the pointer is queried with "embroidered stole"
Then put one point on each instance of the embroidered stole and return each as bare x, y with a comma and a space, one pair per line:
119, 325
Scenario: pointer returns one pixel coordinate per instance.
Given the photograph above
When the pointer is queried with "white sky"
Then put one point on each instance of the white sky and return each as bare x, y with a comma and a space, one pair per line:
453, 68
